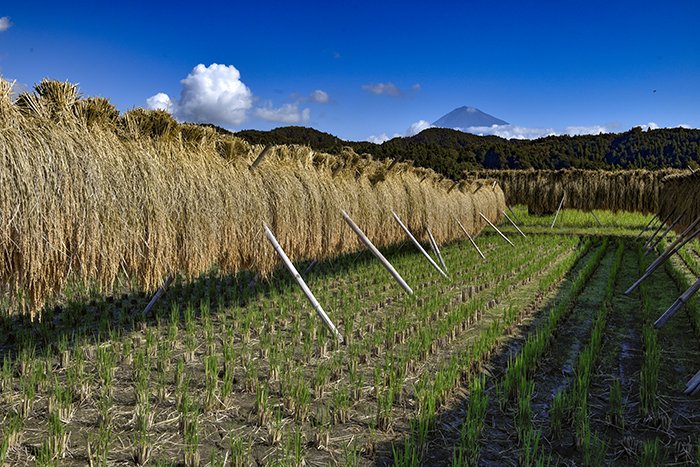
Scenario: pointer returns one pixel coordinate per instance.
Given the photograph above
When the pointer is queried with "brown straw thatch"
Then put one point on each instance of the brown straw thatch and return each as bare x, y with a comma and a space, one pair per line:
542, 190
91, 196
680, 196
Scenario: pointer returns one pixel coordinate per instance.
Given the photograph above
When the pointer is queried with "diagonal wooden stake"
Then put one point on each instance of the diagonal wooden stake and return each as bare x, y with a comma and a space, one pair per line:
377, 253
263, 154
658, 229
558, 209
680, 239
418, 245
309, 295
496, 229
436, 250
693, 386
159, 293
680, 301
514, 216
596, 219
653, 219
651, 247
661, 260
470, 239
514, 224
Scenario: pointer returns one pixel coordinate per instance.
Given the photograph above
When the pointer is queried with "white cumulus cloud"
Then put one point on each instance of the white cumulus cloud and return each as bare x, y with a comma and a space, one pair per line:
585, 130
288, 113
510, 131
5, 23
379, 139
319, 96
210, 94
650, 126
417, 127
390, 89
160, 101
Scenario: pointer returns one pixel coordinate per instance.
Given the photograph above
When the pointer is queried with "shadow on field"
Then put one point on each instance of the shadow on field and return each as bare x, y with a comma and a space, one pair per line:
98, 319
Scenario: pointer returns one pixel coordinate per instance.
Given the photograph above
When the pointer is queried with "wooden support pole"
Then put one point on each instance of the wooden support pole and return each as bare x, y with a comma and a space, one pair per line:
651, 247
418, 245
658, 229
693, 386
514, 216
645, 228
309, 295
660, 260
377, 253
514, 224
558, 209
310, 266
470, 239
673, 245
159, 293
596, 219
436, 249
677, 304
260, 157
496, 229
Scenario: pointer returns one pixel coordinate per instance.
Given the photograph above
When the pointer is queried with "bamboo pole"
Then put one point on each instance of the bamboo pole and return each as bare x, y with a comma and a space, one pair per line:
673, 245
309, 295
677, 304
310, 266
514, 224
470, 239
377, 253
645, 228
159, 293
658, 229
660, 260
596, 219
496, 229
693, 386
651, 247
436, 249
513, 214
260, 157
418, 245
558, 209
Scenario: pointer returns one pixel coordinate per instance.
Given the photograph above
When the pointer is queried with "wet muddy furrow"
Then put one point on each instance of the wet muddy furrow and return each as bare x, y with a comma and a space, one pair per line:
555, 372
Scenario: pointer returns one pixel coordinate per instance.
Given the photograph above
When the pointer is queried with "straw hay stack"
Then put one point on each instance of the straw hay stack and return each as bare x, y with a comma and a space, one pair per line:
542, 190
680, 194
91, 196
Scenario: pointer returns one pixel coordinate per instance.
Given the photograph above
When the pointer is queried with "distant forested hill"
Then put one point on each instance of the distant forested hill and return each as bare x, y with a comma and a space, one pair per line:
451, 152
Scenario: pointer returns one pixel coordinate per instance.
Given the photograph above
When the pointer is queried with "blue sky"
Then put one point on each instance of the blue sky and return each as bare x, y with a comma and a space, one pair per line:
380, 67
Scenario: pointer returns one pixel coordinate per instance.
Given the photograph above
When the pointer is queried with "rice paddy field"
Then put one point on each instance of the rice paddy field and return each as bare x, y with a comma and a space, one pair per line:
533, 356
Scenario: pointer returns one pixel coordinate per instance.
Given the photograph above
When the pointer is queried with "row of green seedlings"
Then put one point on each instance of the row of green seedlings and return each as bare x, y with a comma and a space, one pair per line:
388, 380
342, 397
190, 343
683, 273
569, 406
651, 452
77, 378
433, 393
684, 280
420, 332
299, 391
439, 391
297, 396
517, 388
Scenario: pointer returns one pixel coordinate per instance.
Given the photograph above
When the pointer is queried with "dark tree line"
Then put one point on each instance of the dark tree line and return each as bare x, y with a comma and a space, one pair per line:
451, 152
